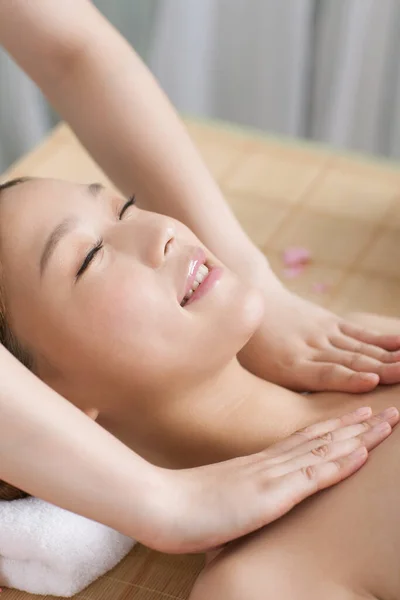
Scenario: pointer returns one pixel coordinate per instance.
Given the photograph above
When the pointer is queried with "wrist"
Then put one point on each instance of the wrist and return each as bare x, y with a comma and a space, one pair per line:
147, 515
172, 511
161, 520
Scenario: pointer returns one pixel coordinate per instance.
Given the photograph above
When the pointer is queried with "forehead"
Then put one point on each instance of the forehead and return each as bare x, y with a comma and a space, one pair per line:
37, 194
38, 202
29, 210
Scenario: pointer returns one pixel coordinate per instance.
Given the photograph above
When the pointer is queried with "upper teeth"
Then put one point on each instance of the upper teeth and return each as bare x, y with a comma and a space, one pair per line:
201, 274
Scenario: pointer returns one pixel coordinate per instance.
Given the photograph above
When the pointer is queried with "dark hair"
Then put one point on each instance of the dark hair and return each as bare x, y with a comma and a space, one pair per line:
12, 182
9, 341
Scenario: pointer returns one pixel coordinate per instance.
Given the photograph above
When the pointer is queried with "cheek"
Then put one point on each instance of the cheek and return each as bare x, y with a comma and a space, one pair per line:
128, 319
123, 310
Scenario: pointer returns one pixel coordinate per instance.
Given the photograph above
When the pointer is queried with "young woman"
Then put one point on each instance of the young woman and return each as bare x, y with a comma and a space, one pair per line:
71, 51
92, 76
129, 316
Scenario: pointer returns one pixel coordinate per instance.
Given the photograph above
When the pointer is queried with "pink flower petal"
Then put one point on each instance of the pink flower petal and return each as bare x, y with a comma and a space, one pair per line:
296, 255
292, 272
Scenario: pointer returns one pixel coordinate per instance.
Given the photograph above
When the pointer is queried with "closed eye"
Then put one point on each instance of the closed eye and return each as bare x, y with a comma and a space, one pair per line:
99, 245
127, 204
88, 258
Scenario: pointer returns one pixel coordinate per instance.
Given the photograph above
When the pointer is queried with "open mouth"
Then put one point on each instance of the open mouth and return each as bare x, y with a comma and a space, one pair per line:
199, 277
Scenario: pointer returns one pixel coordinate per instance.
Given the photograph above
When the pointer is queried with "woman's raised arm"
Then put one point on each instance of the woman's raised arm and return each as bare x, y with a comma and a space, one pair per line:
99, 85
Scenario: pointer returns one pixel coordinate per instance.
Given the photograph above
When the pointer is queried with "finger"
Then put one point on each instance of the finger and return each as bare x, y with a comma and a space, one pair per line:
344, 342
331, 452
285, 492
353, 360
388, 342
361, 430
325, 376
388, 373
317, 430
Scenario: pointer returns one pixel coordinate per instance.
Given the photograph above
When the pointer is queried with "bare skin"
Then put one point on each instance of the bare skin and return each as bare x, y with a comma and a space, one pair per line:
70, 51
115, 338
342, 544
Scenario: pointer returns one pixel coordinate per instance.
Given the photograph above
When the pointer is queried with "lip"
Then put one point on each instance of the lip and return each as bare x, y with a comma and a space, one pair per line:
214, 275
198, 258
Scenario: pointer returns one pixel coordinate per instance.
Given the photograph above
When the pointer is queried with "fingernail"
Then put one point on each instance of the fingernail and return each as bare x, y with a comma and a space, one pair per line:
382, 428
389, 413
364, 411
358, 454
369, 377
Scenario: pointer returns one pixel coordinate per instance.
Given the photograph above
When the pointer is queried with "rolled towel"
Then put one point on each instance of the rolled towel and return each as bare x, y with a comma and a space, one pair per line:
48, 550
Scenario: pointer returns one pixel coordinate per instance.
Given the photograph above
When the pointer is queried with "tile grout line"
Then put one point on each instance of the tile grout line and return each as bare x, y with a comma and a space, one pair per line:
235, 164
352, 268
297, 206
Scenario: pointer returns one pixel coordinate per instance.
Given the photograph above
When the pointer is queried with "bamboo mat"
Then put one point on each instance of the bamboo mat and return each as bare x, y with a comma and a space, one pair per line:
344, 209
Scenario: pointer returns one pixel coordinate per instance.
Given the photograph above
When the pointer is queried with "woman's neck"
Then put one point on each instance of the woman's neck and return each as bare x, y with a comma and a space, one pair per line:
228, 414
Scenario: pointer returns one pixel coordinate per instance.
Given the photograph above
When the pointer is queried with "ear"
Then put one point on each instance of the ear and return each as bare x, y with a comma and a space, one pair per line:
92, 413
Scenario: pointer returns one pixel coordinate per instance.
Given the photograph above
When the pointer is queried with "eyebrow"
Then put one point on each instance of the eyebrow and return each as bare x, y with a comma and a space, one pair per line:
95, 189
63, 229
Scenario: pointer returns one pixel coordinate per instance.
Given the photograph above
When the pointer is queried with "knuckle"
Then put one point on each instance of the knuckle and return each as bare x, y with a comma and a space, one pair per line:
354, 375
341, 422
385, 357
321, 451
325, 373
327, 437
366, 426
310, 473
359, 347
305, 434
376, 420
355, 360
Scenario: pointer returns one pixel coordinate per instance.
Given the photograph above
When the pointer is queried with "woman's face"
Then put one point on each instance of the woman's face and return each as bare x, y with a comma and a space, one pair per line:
94, 289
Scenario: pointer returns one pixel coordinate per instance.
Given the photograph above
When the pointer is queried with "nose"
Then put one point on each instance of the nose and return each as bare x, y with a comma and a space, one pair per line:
160, 241
147, 236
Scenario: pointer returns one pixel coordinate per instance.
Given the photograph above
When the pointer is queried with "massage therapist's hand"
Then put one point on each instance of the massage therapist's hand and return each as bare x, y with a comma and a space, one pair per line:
304, 347
209, 506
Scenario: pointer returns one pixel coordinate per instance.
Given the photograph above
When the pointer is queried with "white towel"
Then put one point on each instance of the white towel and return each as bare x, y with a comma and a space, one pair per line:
47, 550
